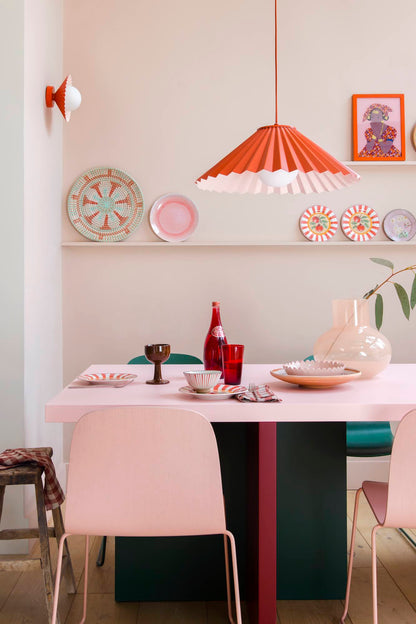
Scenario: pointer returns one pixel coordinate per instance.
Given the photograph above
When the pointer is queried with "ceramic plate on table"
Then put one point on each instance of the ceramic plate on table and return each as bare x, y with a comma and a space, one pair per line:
399, 225
360, 223
217, 393
105, 204
316, 381
107, 378
318, 223
173, 218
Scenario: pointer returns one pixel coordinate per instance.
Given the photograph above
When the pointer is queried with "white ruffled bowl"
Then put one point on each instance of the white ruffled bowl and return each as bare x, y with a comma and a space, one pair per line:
314, 369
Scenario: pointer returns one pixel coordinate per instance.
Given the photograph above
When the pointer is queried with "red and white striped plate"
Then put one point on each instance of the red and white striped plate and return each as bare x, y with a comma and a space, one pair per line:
318, 223
360, 223
218, 392
107, 378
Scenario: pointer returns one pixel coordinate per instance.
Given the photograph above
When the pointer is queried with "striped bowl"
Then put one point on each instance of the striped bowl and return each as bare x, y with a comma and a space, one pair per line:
202, 380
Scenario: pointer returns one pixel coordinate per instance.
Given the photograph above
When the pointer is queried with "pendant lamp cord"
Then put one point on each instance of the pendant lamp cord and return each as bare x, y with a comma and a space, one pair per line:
275, 58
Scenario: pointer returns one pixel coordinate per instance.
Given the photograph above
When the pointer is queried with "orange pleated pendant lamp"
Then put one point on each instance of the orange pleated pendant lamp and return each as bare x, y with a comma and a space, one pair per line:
277, 159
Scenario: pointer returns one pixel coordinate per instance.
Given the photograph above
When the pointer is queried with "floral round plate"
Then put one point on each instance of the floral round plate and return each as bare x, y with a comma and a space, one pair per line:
173, 217
105, 204
399, 225
360, 223
318, 223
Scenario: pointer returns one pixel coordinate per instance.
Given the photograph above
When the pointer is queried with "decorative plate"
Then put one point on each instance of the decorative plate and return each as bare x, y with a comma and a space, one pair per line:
318, 223
107, 378
399, 225
105, 204
316, 381
360, 223
173, 217
218, 392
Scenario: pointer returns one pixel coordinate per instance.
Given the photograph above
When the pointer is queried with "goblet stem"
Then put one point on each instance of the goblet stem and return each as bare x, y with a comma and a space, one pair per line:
157, 378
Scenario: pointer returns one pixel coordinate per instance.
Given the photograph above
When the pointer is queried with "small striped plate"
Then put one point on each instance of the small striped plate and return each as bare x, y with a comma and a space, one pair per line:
318, 223
360, 223
107, 378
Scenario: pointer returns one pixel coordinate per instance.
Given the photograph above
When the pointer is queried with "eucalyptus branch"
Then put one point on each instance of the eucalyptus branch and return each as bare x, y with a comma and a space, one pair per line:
407, 302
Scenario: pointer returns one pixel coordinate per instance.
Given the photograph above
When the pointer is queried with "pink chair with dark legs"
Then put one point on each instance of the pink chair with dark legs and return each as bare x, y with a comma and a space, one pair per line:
393, 503
145, 471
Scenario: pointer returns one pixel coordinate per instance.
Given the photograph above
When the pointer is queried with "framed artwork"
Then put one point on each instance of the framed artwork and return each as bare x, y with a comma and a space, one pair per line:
378, 127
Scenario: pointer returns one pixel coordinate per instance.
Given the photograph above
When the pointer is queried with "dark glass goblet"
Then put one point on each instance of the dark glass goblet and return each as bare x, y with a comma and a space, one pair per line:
157, 353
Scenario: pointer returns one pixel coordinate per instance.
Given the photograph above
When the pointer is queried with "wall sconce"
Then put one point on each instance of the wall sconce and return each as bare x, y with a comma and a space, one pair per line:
67, 97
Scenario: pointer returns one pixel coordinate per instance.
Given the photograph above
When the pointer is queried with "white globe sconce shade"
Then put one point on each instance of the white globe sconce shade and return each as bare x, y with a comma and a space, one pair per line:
67, 98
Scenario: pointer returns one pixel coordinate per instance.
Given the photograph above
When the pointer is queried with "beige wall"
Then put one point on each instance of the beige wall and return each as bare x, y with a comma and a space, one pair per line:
170, 87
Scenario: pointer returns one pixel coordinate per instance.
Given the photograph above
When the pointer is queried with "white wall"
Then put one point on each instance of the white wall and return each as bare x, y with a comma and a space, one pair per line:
11, 248
42, 231
31, 166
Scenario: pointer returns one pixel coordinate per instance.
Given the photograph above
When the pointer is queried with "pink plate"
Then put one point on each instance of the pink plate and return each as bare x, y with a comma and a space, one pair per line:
173, 217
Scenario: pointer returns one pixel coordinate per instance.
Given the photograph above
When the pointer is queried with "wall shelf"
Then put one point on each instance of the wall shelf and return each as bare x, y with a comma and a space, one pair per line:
384, 163
166, 245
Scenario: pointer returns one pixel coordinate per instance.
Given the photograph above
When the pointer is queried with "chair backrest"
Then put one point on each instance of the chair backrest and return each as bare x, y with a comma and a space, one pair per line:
144, 471
401, 499
174, 358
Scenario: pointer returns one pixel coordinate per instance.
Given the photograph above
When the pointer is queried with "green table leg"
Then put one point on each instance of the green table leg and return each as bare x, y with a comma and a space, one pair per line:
311, 511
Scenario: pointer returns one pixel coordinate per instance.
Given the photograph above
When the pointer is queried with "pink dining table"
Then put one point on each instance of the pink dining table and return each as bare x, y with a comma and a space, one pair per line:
384, 398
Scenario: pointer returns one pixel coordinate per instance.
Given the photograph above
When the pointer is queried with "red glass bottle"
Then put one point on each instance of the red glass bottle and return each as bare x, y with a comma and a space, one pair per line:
214, 340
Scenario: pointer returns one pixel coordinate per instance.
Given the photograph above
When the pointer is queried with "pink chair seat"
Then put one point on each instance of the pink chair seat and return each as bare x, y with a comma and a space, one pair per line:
376, 494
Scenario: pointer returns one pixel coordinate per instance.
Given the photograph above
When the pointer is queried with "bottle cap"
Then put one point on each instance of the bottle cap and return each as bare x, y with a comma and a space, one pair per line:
215, 303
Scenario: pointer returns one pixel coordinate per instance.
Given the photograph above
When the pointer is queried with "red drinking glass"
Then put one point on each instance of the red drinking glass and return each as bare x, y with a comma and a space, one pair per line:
232, 363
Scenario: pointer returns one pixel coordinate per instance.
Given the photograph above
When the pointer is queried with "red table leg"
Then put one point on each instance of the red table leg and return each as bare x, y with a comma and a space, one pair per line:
262, 525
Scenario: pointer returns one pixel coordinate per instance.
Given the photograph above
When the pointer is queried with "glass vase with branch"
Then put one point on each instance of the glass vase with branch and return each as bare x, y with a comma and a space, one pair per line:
352, 339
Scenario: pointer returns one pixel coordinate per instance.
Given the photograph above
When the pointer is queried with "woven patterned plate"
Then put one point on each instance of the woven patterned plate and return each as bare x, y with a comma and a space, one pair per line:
360, 223
318, 223
105, 204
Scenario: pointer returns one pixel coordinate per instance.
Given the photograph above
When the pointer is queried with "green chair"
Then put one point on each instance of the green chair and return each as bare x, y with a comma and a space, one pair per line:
174, 358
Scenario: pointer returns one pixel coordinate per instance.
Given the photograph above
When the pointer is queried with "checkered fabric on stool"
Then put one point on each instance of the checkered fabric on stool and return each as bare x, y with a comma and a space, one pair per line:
12, 472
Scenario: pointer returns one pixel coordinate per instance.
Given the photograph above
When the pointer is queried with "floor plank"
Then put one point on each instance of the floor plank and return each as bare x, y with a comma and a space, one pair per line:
310, 611
102, 609
392, 604
22, 598
172, 613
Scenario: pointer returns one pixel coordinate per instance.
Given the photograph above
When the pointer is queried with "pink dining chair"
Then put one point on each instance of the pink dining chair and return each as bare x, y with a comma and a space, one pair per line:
393, 503
145, 471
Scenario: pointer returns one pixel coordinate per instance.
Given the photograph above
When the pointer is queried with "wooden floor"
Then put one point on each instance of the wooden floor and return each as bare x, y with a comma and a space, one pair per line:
22, 600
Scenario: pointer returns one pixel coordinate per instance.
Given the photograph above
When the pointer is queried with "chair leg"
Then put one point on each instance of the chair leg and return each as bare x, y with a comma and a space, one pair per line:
58, 524
84, 610
227, 579
58, 577
351, 558
235, 577
101, 552
2, 490
374, 571
45, 555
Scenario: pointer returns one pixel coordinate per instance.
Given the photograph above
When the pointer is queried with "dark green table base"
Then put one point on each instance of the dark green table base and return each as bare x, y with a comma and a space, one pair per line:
311, 519
311, 511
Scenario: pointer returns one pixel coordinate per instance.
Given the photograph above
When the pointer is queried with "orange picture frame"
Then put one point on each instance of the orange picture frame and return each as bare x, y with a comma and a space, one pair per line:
378, 127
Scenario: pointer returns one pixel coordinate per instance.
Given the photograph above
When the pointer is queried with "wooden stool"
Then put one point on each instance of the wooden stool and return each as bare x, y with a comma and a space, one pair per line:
32, 474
